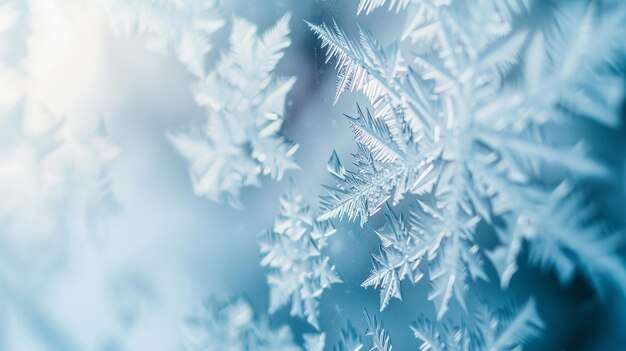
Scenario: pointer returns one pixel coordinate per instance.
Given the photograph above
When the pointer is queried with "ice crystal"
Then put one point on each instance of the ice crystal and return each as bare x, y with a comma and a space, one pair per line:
244, 100
503, 329
592, 250
231, 326
376, 331
350, 340
294, 252
425, 237
464, 112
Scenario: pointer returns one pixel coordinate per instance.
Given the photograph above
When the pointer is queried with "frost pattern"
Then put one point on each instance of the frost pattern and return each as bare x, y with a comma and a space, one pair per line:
466, 109
591, 251
503, 329
406, 243
350, 340
231, 326
240, 139
179, 26
293, 251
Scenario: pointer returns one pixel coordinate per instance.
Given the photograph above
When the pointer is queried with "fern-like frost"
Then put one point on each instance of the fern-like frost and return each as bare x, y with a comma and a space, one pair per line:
350, 340
506, 328
232, 325
293, 251
240, 139
464, 109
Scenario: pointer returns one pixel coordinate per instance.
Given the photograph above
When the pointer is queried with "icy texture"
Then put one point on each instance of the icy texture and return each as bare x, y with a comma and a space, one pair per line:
300, 271
351, 341
240, 139
406, 243
592, 250
376, 331
231, 326
466, 109
503, 329
179, 26
471, 154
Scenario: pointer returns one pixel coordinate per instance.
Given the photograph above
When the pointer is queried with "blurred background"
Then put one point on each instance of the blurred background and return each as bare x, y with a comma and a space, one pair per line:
129, 283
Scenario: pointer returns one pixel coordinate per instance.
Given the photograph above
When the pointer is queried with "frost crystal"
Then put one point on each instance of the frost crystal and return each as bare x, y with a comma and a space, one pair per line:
293, 250
425, 236
376, 331
466, 113
231, 326
240, 139
351, 341
592, 250
502, 329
